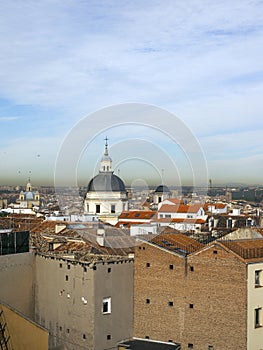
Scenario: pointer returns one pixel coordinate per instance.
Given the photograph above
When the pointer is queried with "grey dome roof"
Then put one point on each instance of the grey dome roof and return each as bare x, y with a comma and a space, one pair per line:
162, 189
106, 182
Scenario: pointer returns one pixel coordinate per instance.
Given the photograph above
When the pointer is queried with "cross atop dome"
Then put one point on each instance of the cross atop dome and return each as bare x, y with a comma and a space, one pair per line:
106, 162
106, 153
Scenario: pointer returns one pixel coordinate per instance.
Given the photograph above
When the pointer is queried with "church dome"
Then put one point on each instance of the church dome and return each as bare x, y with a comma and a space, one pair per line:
106, 182
162, 189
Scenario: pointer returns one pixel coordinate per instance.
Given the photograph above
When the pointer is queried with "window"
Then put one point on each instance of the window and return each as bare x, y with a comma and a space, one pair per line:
85, 269
112, 208
161, 216
147, 337
171, 267
258, 278
258, 317
168, 216
98, 208
68, 267
190, 346
84, 336
215, 251
106, 306
109, 269
191, 306
210, 347
66, 277
191, 268
67, 330
60, 265
148, 264
147, 301
171, 303
108, 337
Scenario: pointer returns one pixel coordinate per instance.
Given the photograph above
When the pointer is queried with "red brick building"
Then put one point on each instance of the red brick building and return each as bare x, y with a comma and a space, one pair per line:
204, 297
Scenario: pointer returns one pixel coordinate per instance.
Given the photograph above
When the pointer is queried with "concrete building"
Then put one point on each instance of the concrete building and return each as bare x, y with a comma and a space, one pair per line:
106, 194
206, 297
83, 304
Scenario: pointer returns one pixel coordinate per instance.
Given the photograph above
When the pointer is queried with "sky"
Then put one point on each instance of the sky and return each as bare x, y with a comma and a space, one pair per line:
69, 67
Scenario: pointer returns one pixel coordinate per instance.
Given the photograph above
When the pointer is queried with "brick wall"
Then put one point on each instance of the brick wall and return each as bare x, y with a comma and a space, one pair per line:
216, 288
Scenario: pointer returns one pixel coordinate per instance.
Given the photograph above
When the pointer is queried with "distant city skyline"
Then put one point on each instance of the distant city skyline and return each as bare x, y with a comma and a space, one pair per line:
62, 62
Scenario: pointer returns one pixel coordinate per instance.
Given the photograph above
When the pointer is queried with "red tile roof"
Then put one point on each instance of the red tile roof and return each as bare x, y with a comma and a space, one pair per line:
182, 208
137, 214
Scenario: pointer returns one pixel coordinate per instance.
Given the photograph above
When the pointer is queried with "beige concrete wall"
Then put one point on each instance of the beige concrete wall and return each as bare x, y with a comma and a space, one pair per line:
16, 287
71, 307
114, 280
254, 300
24, 333
60, 303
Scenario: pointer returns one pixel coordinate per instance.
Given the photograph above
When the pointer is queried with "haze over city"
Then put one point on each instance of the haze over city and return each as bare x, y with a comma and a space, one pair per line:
198, 62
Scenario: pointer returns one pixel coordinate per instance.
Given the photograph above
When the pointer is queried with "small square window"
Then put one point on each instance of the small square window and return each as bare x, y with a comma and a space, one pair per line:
191, 306
67, 278
108, 337
171, 267
258, 278
147, 337
190, 346
258, 317
148, 264
147, 301
109, 269
106, 306
191, 268
171, 303
215, 251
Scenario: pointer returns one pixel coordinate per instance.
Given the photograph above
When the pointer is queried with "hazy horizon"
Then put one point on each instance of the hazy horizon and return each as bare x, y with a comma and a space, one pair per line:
63, 63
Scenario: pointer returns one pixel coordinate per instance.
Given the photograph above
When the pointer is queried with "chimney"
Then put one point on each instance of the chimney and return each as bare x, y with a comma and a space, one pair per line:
101, 235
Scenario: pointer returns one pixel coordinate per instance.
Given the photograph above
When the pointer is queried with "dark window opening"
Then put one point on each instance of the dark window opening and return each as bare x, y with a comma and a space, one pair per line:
147, 301
171, 267
148, 265
191, 268
66, 277
191, 306
190, 346
97, 208
84, 336
108, 337
109, 269
215, 251
170, 303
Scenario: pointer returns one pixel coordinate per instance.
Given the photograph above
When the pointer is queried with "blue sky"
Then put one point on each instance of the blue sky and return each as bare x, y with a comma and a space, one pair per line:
60, 61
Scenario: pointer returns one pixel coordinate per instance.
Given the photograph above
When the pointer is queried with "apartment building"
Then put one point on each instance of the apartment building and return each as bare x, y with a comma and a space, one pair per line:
203, 297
